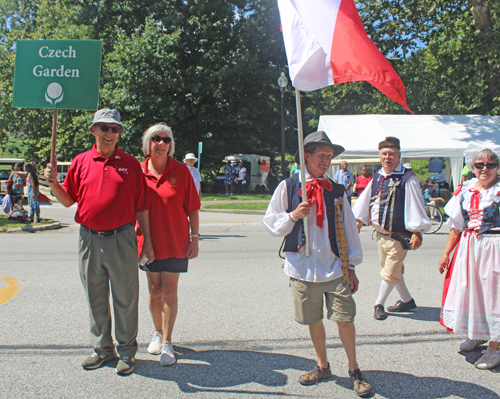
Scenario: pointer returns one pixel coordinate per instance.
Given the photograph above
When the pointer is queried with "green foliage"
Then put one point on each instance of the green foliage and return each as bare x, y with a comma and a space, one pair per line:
449, 63
208, 69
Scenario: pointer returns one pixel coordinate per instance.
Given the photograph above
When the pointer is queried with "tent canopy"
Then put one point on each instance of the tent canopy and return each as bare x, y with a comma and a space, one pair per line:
421, 136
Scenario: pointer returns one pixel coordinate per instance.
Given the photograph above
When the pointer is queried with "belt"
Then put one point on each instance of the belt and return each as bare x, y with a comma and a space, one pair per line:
107, 233
491, 232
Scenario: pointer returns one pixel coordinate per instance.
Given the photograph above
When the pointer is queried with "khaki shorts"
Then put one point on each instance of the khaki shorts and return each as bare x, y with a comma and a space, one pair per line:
308, 301
392, 255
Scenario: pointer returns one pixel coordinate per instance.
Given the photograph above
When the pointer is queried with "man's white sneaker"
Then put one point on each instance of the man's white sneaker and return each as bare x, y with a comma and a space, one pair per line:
155, 346
490, 359
471, 344
167, 354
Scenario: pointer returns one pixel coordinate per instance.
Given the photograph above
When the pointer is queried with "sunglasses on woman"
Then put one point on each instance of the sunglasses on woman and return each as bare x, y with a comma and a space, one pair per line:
105, 128
489, 165
157, 139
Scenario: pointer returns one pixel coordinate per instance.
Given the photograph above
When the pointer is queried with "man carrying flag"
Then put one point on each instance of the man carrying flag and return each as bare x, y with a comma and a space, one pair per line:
335, 249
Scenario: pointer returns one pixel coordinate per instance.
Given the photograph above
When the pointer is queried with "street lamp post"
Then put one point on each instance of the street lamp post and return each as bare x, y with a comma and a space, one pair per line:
282, 83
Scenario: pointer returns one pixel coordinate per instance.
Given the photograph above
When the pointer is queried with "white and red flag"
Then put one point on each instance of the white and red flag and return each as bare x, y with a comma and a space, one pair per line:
326, 43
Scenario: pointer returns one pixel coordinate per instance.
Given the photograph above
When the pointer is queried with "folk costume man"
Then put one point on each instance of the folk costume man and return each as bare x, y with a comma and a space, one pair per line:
335, 249
393, 204
111, 193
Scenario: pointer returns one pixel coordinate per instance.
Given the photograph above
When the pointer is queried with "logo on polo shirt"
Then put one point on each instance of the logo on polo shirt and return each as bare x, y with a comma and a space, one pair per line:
122, 170
173, 182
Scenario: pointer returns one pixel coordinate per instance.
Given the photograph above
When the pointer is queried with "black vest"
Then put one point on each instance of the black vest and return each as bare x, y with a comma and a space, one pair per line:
296, 239
380, 185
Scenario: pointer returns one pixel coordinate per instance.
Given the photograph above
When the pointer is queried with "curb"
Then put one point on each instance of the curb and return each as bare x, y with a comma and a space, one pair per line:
32, 229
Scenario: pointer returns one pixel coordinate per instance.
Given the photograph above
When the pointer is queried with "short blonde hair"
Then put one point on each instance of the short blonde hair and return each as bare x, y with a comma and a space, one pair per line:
153, 131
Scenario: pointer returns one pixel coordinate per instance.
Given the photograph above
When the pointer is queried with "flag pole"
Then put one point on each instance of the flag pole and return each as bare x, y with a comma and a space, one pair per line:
302, 163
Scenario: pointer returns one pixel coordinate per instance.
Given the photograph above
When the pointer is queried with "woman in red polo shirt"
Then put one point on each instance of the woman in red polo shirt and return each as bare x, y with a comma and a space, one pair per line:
174, 211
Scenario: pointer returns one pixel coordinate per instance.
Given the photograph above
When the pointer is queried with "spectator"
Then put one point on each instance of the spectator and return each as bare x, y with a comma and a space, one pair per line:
8, 198
242, 179
272, 180
19, 179
33, 192
230, 175
466, 174
190, 160
431, 197
345, 178
18, 211
362, 181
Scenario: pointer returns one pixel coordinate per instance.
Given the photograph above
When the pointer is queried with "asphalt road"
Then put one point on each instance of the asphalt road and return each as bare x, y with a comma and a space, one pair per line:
235, 336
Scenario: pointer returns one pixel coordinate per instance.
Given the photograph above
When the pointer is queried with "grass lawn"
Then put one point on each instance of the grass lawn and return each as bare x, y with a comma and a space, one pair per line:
251, 196
7, 224
254, 206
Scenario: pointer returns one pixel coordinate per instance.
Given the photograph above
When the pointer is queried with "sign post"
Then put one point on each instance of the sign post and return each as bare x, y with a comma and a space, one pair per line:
57, 74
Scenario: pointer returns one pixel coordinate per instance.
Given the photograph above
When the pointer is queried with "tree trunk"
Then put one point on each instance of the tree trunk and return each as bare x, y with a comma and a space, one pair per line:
481, 13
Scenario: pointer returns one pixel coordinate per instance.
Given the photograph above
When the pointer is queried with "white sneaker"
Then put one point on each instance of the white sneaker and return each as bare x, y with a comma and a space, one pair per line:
167, 354
471, 344
155, 346
227, 193
490, 359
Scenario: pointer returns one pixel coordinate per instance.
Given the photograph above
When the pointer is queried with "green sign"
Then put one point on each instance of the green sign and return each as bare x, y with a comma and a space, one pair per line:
61, 74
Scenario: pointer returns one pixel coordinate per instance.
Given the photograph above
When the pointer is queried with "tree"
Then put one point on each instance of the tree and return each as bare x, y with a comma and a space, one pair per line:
208, 69
444, 51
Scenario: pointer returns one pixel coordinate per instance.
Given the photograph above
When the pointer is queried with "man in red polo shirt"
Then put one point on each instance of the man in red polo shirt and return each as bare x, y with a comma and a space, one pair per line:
110, 190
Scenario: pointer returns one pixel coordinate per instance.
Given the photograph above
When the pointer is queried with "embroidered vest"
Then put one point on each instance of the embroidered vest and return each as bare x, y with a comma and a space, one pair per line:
491, 216
296, 239
391, 190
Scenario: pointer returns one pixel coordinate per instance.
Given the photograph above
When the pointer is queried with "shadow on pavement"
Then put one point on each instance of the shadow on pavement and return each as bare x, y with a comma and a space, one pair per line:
218, 370
217, 237
423, 313
392, 385
213, 370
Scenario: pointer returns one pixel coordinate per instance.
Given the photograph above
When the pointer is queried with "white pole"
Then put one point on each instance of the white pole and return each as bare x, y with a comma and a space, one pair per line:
302, 163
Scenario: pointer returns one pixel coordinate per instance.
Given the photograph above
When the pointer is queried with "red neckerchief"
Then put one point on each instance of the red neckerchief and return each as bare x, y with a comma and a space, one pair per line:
314, 193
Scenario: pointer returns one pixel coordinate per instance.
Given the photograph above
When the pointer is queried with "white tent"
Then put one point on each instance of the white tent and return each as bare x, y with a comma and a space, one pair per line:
421, 136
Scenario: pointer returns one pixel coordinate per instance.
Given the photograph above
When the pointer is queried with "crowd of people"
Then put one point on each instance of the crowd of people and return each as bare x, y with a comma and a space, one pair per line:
393, 204
23, 175
236, 178
156, 223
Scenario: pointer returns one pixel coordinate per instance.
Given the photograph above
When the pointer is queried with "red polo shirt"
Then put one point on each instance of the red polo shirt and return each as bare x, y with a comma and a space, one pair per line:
173, 197
109, 191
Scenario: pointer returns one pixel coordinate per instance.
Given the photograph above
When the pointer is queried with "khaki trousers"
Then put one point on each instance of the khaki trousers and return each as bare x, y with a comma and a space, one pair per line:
391, 255
106, 261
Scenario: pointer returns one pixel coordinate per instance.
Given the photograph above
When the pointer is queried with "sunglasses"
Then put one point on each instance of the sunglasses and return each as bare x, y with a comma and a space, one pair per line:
157, 139
489, 165
105, 128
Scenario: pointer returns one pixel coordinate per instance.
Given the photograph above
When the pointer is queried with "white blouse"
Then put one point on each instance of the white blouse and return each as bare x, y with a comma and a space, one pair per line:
454, 210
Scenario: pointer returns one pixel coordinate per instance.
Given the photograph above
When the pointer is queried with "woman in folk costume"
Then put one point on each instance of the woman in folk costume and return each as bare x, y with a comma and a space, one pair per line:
471, 297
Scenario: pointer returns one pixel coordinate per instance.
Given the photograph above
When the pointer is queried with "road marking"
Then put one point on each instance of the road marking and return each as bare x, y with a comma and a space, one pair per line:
10, 291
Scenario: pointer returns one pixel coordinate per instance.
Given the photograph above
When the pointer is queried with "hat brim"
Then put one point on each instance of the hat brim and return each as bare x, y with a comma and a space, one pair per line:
195, 159
337, 149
